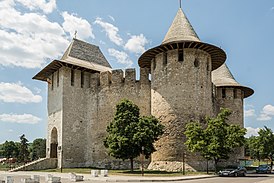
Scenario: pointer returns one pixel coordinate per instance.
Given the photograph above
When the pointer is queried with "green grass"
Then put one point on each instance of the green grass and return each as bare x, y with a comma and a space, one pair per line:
125, 172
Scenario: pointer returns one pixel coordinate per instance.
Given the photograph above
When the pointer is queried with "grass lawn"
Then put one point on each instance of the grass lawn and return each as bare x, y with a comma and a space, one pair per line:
125, 172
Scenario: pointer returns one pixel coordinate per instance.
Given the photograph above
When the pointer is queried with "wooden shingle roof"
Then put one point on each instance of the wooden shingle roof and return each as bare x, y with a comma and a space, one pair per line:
79, 55
182, 35
222, 77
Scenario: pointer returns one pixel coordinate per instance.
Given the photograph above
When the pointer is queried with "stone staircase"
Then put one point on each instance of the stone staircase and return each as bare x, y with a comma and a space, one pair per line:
40, 164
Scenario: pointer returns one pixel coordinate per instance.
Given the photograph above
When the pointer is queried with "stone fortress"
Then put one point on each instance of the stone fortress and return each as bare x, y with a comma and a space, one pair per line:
189, 81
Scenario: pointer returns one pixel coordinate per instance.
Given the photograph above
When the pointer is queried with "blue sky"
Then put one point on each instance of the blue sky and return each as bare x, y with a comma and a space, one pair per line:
32, 33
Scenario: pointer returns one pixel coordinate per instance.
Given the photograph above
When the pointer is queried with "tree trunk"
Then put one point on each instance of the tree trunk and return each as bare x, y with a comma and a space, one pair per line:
215, 164
131, 164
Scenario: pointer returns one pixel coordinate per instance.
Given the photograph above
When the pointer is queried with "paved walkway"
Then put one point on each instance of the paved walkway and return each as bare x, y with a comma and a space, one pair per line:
112, 178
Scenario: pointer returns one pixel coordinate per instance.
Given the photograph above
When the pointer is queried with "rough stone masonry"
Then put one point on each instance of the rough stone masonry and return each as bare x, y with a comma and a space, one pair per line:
189, 81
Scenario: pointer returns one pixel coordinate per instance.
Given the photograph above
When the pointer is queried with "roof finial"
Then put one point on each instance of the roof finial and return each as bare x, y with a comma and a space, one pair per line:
180, 1
75, 34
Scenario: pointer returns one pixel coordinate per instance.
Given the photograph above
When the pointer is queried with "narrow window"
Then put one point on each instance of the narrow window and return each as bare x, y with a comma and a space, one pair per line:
154, 64
223, 93
196, 62
180, 55
58, 78
72, 77
164, 58
52, 81
235, 93
208, 64
82, 79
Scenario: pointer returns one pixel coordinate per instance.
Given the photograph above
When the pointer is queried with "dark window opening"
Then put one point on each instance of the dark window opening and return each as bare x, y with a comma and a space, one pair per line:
82, 79
72, 77
154, 64
235, 93
223, 93
207, 64
58, 78
164, 59
196, 62
180, 55
52, 81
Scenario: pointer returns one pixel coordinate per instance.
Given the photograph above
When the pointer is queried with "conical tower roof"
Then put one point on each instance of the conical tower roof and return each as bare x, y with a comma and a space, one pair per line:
180, 29
182, 35
222, 77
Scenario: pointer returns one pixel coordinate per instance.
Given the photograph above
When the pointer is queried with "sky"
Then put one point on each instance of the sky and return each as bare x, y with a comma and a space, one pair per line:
35, 32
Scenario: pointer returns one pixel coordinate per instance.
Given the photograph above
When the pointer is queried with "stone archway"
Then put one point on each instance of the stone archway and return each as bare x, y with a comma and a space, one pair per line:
53, 143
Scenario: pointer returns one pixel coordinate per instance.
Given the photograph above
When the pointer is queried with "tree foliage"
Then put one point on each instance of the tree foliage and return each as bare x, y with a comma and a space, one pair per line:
38, 149
23, 149
217, 139
262, 146
10, 149
128, 132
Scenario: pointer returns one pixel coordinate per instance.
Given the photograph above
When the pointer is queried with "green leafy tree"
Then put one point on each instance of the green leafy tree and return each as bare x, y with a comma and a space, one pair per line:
38, 149
217, 139
266, 143
23, 149
10, 149
128, 132
254, 146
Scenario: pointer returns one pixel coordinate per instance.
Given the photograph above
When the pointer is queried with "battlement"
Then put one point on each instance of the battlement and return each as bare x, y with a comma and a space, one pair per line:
118, 77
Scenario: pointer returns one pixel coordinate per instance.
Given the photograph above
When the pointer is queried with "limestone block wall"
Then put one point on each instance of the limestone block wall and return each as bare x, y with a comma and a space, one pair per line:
89, 106
107, 90
75, 121
181, 91
232, 98
55, 111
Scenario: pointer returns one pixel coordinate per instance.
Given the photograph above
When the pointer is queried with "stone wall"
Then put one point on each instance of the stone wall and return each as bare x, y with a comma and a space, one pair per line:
232, 98
181, 92
89, 108
55, 110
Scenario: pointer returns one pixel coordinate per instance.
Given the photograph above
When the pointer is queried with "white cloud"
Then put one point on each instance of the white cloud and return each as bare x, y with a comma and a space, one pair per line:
267, 113
17, 93
111, 31
251, 132
249, 113
120, 56
73, 23
47, 6
28, 39
16, 118
272, 9
136, 44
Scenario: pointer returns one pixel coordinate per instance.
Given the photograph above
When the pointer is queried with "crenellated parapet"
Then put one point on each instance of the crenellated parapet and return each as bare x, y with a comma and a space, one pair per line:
118, 77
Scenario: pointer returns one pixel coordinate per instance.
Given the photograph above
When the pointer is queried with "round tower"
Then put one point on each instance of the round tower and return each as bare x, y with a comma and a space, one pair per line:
230, 94
181, 88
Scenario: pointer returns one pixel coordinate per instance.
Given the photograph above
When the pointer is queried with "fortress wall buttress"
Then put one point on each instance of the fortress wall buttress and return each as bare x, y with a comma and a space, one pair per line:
107, 90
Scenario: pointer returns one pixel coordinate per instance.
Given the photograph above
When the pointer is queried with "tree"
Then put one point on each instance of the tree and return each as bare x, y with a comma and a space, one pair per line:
10, 149
38, 149
127, 133
23, 149
217, 139
265, 142
254, 147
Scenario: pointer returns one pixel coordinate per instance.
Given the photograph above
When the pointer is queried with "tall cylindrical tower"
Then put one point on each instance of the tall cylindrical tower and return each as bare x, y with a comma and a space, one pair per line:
181, 88
230, 94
